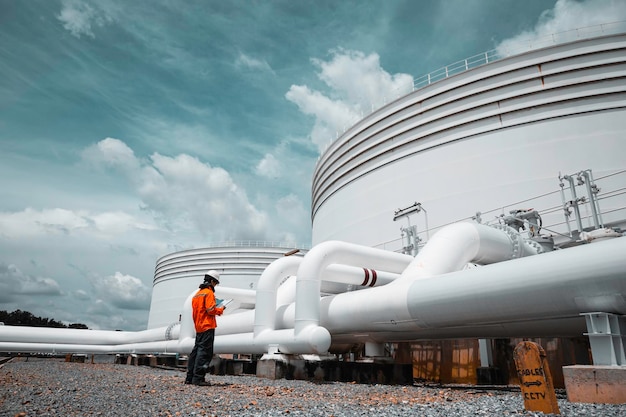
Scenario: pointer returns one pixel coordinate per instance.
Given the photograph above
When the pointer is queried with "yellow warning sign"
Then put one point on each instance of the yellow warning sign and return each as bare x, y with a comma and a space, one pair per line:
535, 379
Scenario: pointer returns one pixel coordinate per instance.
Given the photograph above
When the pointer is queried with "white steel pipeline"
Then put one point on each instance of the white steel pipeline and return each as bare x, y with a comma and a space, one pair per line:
267, 286
321, 256
449, 250
307, 304
460, 244
520, 298
274, 290
269, 283
27, 334
177, 337
429, 301
165, 346
265, 337
307, 336
364, 277
342, 274
308, 339
240, 294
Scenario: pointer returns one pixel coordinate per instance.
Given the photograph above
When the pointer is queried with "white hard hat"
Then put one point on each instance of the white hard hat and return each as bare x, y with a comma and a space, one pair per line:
212, 274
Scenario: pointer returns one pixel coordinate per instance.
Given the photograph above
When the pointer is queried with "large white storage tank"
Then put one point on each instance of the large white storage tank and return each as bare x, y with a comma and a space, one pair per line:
491, 139
178, 274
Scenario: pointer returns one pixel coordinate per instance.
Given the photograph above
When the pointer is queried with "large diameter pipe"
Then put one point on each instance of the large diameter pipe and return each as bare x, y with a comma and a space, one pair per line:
343, 274
558, 284
313, 339
325, 254
169, 346
307, 336
29, 334
451, 248
240, 294
265, 311
366, 277
481, 302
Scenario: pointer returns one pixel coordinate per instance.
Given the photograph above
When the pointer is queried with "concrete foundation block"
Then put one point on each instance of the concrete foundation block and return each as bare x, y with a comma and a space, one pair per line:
271, 369
595, 384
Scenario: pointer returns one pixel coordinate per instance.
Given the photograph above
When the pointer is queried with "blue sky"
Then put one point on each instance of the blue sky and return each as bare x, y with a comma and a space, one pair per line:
133, 129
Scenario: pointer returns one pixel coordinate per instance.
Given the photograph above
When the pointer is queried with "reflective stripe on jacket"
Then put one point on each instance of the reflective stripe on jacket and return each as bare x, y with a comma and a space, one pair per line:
203, 310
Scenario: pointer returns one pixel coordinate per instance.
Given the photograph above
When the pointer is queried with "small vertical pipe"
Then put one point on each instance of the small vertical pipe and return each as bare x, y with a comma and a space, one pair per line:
589, 175
572, 187
592, 200
569, 228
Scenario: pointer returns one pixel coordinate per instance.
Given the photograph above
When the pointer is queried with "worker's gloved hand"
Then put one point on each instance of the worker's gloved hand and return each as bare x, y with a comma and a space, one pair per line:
219, 311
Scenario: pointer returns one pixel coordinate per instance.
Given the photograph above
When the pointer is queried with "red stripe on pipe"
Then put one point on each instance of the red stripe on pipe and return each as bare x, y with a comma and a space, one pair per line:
367, 276
373, 278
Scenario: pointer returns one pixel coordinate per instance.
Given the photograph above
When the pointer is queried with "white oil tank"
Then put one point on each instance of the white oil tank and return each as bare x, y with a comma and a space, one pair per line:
491, 139
178, 274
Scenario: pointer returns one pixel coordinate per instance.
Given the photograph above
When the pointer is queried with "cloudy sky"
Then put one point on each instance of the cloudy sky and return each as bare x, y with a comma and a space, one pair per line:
133, 129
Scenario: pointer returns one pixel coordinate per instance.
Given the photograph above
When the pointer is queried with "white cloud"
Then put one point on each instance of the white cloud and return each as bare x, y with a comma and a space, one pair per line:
112, 153
357, 83
269, 167
567, 21
361, 80
123, 291
332, 117
246, 61
13, 283
32, 223
184, 193
79, 17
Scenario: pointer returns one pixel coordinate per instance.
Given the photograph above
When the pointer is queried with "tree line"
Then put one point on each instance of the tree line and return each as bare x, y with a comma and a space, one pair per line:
25, 318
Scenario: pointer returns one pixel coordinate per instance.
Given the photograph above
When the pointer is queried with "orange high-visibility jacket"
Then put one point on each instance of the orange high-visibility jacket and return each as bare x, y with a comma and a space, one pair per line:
204, 310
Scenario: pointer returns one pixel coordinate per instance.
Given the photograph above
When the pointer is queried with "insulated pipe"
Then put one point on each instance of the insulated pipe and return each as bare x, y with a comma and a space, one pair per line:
503, 299
343, 274
239, 294
241, 321
265, 310
187, 327
307, 306
327, 253
286, 293
169, 346
313, 339
557, 284
361, 276
450, 249
307, 310
27, 334
507, 299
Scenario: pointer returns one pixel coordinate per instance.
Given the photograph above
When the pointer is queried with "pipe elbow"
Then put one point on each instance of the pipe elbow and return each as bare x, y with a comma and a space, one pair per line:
316, 338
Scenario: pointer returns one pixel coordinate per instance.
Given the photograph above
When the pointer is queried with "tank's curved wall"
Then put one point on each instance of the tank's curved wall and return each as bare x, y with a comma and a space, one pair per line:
481, 141
178, 274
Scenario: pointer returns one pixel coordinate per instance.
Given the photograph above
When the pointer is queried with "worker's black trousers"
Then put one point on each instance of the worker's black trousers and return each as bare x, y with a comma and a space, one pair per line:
200, 357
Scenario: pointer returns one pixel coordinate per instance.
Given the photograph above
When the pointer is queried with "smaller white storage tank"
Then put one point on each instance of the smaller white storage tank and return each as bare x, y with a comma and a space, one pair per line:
178, 274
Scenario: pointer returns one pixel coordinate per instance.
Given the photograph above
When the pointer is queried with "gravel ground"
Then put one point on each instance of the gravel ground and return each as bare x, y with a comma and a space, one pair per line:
53, 387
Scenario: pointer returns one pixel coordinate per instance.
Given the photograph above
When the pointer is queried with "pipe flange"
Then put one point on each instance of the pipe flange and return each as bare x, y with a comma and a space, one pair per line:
535, 245
169, 329
515, 238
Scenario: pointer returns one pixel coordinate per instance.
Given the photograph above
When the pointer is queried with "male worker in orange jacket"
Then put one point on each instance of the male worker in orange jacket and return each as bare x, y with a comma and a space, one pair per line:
204, 311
